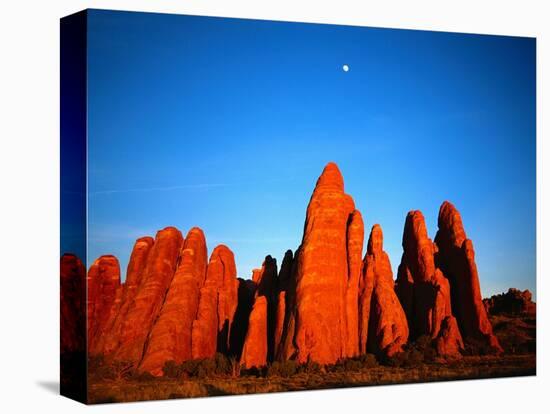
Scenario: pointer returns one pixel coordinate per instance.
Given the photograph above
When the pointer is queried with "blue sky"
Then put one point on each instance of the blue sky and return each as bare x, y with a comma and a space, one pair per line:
226, 124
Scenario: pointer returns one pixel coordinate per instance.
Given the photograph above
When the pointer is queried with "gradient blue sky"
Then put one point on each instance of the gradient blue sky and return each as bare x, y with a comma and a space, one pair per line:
226, 124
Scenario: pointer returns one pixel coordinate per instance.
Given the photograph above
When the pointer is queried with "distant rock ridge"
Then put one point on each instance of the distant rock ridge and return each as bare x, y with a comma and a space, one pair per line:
513, 302
326, 302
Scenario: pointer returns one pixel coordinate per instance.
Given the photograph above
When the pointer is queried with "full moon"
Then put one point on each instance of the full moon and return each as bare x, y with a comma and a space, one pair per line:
345, 68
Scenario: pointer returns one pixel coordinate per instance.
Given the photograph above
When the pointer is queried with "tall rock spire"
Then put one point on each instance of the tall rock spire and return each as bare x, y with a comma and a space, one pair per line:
423, 289
384, 327
323, 275
456, 257
258, 345
284, 285
170, 337
103, 291
134, 274
158, 273
355, 237
217, 305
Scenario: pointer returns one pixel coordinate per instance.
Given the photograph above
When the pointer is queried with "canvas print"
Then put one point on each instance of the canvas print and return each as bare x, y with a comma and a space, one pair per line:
256, 206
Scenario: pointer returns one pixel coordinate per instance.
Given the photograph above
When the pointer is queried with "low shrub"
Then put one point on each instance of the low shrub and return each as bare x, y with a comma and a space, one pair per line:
310, 367
219, 365
476, 347
368, 360
99, 369
253, 371
284, 369
353, 364
224, 365
422, 345
171, 369
143, 376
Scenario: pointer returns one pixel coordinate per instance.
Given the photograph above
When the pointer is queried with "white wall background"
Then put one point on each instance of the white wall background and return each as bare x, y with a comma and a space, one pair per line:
29, 203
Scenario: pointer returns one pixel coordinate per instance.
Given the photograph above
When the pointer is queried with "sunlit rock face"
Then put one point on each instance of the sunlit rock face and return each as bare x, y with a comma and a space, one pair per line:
217, 305
326, 303
103, 296
259, 341
170, 336
162, 261
327, 271
110, 341
456, 258
284, 285
384, 327
422, 287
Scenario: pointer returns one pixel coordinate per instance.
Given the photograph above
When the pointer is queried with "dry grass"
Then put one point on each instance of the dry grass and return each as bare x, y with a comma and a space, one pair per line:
163, 388
517, 335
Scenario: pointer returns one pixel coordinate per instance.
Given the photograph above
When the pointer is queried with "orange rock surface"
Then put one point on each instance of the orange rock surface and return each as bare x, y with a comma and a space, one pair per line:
449, 341
326, 303
286, 349
322, 275
421, 286
170, 336
259, 341
255, 345
258, 344
387, 322
366, 286
217, 305
239, 327
103, 290
134, 276
456, 257
144, 309
283, 284
355, 237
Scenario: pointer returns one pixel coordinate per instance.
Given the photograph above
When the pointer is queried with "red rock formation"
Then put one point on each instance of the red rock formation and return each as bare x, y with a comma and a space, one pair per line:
322, 274
255, 348
170, 336
239, 328
144, 309
287, 349
227, 297
103, 287
72, 304
279, 322
404, 288
217, 305
355, 237
258, 344
513, 302
421, 287
366, 287
387, 322
285, 274
449, 341
283, 282
456, 258
134, 276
